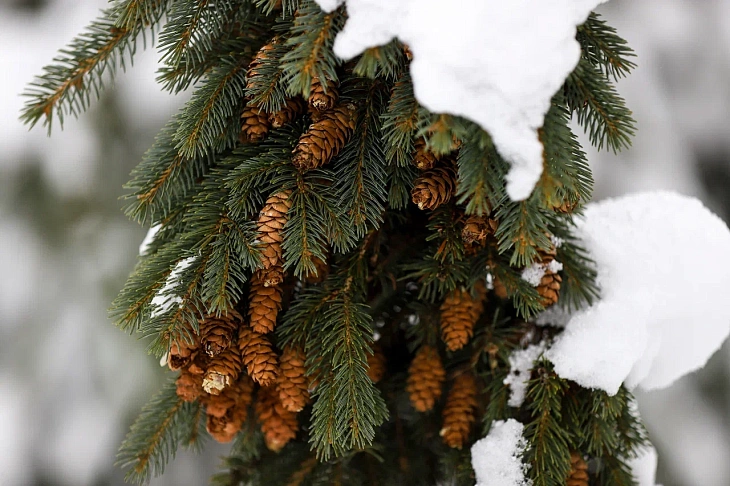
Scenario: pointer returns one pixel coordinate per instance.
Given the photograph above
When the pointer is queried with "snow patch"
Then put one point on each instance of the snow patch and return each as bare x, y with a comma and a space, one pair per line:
643, 467
663, 271
144, 247
497, 458
535, 272
497, 63
166, 298
521, 362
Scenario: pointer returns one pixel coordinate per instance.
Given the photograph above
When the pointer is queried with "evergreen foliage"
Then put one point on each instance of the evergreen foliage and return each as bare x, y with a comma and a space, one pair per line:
357, 261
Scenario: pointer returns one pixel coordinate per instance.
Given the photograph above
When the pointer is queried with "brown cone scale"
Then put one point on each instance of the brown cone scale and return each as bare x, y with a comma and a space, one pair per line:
222, 370
459, 312
258, 356
293, 107
270, 224
264, 304
254, 124
324, 138
459, 411
292, 383
578, 471
189, 386
278, 424
253, 68
477, 229
322, 96
216, 332
549, 286
434, 187
227, 412
425, 378
183, 351
423, 158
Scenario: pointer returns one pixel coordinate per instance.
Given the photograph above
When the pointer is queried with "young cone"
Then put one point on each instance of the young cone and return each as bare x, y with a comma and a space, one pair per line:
216, 333
325, 138
258, 356
264, 304
459, 312
292, 383
434, 188
578, 471
322, 96
423, 158
189, 386
293, 107
425, 378
254, 124
459, 411
278, 424
377, 365
222, 370
271, 221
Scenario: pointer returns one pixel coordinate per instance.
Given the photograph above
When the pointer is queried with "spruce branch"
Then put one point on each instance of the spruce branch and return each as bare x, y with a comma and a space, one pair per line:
604, 48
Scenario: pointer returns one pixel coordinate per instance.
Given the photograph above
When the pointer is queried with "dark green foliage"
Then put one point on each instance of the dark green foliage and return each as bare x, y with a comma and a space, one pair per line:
387, 265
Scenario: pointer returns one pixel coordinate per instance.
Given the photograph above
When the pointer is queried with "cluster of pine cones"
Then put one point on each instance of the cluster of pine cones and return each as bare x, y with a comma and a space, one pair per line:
212, 361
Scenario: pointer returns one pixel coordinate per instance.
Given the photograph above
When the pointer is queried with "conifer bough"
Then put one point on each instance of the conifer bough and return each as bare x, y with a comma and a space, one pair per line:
341, 268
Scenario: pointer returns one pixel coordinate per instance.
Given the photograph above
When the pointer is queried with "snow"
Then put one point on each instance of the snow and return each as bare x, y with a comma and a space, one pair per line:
166, 298
497, 458
535, 272
664, 273
148, 239
643, 467
521, 362
526, 49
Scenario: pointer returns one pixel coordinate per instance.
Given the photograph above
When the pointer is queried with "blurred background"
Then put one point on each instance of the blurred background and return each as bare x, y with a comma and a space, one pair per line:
71, 383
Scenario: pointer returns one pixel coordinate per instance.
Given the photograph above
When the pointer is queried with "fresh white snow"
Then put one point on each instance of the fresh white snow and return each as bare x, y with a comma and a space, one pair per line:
497, 63
166, 298
521, 362
535, 272
664, 276
497, 458
643, 467
148, 239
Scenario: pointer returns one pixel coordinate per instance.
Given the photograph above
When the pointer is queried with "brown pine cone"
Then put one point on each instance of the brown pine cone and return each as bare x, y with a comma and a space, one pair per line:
499, 289
434, 187
425, 377
322, 96
377, 365
222, 370
264, 304
459, 411
189, 386
459, 312
216, 333
258, 59
183, 350
254, 124
270, 224
292, 382
578, 471
549, 286
424, 159
227, 412
477, 228
293, 107
322, 269
278, 424
324, 138
258, 356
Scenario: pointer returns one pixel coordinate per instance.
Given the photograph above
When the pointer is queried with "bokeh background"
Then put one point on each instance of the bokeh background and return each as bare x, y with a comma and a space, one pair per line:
71, 383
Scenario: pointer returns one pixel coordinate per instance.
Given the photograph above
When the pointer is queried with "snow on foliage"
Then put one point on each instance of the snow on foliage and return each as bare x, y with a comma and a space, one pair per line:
494, 62
643, 467
166, 298
521, 362
664, 273
497, 458
144, 247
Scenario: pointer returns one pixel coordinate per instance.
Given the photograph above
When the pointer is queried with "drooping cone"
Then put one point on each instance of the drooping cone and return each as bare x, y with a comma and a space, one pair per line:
322, 96
477, 229
377, 365
278, 424
425, 377
216, 332
578, 471
222, 370
325, 138
271, 221
182, 351
227, 412
549, 286
253, 68
264, 304
293, 107
189, 386
499, 289
258, 356
292, 383
254, 124
434, 187
459, 312
459, 411
424, 159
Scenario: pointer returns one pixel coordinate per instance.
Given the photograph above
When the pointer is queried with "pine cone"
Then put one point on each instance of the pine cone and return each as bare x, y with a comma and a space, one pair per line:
578, 471
258, 356
325, 138
254, 124
424, 159
278, 424
264, 304
425, 377
222, 370
377, 365
271, 221
216, 333
459, 411
182, 351
322, 270
477, 228
322, 96
189, 386
459, 312
499, 289
292, 382
549, 286
255, 65
293, 107
227, 412
434, 187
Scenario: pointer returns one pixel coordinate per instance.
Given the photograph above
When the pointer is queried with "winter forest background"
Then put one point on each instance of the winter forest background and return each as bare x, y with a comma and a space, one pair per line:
70, 383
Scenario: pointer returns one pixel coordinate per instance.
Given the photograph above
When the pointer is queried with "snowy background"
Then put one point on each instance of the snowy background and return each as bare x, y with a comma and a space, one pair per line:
70, 382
